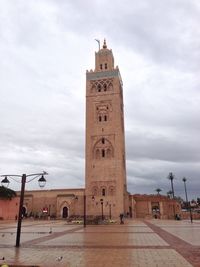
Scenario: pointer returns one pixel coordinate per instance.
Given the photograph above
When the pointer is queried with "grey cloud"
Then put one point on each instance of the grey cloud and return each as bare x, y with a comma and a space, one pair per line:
152, 146
144, 176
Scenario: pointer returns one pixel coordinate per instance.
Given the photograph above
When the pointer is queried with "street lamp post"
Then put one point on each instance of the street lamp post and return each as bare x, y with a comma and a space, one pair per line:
84, 209
41, 181
101, 201
23, 182
186, 197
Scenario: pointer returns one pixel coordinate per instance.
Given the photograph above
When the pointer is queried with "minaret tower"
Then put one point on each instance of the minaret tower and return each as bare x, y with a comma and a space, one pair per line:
106, 188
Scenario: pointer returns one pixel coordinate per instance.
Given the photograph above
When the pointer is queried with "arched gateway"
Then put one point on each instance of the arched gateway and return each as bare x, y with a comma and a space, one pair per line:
65, 212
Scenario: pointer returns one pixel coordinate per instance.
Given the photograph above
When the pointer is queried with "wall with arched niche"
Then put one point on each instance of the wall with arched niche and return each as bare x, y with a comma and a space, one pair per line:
103, 190
103, 149
99, 86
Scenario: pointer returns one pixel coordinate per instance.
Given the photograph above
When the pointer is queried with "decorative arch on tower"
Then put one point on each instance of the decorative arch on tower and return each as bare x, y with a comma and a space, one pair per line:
100, 86
103, 149
103, 191
95, 191
111, 190
102, 114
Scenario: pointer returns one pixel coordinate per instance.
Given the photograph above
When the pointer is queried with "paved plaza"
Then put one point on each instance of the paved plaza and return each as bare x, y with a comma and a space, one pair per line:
147, 243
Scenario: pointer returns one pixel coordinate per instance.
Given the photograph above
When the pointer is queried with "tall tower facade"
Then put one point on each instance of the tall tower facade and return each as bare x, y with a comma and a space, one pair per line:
105, 177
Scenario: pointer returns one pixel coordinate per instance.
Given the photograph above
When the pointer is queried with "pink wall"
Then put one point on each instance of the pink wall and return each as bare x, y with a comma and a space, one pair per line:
9, 208
185, 215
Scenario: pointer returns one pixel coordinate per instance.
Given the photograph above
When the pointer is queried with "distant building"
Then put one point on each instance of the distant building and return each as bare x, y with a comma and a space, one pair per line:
155, 206
105, 193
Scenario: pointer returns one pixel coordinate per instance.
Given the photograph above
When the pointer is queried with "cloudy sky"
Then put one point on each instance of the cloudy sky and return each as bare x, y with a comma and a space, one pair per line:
46, 46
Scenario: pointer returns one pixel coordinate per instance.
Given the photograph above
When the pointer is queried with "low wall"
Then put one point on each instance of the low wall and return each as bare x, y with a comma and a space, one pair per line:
185, 215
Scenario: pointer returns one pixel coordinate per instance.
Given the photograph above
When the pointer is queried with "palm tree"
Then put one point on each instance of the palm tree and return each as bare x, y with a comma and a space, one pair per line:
6, 193
171, 178
158, 190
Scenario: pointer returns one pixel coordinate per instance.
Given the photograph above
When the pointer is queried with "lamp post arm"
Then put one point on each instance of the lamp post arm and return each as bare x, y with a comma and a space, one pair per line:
9, 175
37, 174
18, 175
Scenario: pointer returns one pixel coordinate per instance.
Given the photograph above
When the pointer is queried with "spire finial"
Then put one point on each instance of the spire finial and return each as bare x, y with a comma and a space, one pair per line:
104, 44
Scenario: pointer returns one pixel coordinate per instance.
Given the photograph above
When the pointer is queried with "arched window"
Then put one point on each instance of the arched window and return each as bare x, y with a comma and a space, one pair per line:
99, 87
102, 116
103, 149
103, 84
106, 66
103, 191
101, 66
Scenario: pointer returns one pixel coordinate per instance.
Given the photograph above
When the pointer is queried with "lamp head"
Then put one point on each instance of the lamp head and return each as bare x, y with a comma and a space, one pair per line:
5, 182
42, 181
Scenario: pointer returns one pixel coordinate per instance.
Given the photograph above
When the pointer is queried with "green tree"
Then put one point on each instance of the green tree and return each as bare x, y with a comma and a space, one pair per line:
171, 178
6, 193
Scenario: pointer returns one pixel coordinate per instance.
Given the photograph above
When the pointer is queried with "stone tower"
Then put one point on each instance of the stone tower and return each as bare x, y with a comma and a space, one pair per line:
106, 188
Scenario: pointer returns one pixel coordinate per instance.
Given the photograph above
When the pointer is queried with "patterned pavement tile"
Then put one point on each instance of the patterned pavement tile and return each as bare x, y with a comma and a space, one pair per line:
136, 243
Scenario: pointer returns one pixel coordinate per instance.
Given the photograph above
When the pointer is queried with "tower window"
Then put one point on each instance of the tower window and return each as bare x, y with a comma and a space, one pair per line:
105, 87
103, 192
103, 140
101, 66
106, 66
105, 118
99, 88
103, 153
99, 118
